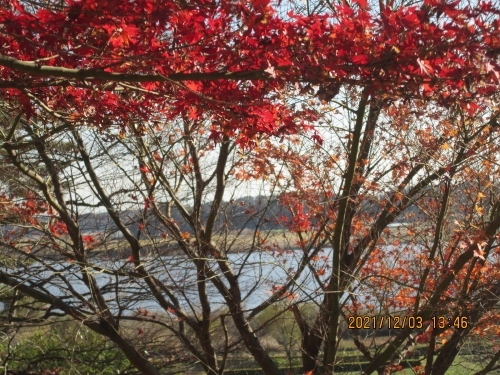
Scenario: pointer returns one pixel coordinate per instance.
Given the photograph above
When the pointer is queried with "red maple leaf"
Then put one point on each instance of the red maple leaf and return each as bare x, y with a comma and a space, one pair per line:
144, 169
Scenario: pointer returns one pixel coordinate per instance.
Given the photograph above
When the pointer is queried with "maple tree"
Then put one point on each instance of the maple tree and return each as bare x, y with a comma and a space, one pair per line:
141, 246
419, 85
441, 260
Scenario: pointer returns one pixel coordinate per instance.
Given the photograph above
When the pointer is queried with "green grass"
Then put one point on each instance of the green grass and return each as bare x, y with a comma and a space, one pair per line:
463, 365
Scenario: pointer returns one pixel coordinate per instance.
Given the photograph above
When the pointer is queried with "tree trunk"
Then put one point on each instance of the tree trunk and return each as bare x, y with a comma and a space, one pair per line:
135, 358
252, 343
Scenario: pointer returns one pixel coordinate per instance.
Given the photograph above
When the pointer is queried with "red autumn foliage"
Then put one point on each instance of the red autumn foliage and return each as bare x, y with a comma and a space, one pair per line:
93, 47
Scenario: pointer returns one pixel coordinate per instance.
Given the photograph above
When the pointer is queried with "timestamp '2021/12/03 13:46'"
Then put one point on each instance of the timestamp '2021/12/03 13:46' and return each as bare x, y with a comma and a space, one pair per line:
405, 321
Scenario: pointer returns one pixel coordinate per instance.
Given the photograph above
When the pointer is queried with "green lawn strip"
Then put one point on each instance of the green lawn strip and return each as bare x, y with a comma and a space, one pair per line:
463, 365
345, 367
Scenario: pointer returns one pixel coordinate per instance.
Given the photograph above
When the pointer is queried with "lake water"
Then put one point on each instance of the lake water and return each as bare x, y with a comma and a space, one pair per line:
259, 273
